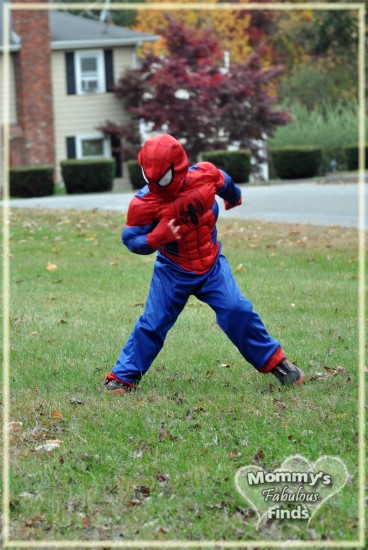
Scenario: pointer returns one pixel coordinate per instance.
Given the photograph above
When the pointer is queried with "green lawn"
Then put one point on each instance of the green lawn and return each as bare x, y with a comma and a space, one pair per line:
113, 477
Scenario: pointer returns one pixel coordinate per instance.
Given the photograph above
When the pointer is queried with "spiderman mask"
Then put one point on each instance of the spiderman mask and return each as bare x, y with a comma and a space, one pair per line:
164, 164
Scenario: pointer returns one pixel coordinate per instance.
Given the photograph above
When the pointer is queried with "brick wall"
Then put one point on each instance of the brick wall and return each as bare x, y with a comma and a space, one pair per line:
33, 87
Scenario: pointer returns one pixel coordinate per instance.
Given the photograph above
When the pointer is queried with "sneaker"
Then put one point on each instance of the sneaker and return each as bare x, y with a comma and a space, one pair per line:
114, 386
287, 373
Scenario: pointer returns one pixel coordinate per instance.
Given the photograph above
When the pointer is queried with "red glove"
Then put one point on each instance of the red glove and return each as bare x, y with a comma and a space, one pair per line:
229, 206
165, 232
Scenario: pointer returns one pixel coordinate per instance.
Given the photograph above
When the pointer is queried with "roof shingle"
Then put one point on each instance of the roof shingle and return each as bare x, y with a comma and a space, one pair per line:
73, 31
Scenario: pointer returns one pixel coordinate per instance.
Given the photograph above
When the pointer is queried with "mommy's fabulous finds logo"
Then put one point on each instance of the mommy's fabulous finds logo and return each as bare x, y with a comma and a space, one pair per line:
296, 490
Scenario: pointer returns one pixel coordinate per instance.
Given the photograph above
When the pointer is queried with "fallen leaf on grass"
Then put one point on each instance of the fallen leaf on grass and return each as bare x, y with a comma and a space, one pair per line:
49, 445
162, 478
162, 530
192, 413
27, 495
86, 522
333, 371
51, 267
246, 512
258, 457
177, 398
235, 454
279, 405
141, 492
57, 415
210, 373
150, 523
74, 401
135, 502
330, 373
220, 506
239, 269
165, 434
271, 388
225, 365
14, 426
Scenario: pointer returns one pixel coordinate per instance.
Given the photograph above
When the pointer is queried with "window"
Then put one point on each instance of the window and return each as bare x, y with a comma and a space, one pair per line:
90, 72
93, 146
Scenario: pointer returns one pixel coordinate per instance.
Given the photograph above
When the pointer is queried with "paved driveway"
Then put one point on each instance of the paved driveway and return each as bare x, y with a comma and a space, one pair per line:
309, 203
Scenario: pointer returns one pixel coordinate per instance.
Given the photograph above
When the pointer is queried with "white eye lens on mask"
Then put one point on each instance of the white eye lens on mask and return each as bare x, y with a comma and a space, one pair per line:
167, 178
144, 175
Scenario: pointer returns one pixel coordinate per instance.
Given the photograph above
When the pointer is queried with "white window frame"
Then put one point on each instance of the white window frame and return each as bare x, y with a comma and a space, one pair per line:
99, 55
85, 137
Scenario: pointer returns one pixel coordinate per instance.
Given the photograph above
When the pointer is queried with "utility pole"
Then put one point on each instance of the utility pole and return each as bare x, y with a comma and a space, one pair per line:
105, 12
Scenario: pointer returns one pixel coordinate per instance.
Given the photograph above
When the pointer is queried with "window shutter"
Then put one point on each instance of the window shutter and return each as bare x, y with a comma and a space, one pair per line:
70, 73
70, 147
109, 70
116, 153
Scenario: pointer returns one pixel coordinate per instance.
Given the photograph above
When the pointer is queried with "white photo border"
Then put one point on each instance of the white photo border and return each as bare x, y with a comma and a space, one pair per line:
7, 543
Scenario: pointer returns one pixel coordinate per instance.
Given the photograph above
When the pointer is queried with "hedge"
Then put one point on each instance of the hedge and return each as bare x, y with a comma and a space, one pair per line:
236, 163
352, 157
296, 162
333, 154
32, 181
88, 176
135, 174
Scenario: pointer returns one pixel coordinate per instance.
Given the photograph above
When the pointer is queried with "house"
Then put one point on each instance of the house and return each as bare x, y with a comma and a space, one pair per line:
62, 67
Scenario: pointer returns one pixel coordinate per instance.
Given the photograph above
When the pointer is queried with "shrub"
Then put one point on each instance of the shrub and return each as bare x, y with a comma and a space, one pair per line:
296, 162
330, 127
333, 154
32, 181
352, 157
236, 163
88, 176
135, 174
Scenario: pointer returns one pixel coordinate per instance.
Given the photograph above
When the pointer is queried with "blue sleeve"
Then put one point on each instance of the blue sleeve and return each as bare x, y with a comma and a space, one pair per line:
135, 238
229, 191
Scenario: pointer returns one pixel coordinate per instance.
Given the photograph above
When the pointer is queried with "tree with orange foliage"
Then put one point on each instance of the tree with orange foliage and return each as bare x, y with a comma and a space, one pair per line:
237, 31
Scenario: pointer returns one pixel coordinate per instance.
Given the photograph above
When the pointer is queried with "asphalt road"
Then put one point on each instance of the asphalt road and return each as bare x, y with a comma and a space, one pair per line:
304, 203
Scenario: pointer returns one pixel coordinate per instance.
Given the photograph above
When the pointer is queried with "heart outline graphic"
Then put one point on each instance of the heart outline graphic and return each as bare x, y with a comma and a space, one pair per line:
288, 465
312, 467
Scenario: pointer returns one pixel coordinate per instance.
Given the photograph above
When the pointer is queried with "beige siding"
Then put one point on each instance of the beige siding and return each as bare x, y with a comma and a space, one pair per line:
83, 114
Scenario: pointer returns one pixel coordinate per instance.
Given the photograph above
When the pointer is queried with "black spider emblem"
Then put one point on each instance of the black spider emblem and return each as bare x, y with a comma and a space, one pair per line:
190, 215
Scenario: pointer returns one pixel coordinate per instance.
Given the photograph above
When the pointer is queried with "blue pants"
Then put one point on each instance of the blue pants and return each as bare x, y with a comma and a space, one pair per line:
169, 292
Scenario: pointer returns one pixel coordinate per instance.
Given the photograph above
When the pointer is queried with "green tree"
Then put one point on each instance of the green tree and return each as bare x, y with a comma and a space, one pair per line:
320, 49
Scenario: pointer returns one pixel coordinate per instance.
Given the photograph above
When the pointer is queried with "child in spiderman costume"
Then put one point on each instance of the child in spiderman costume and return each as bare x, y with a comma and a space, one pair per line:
175, 214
